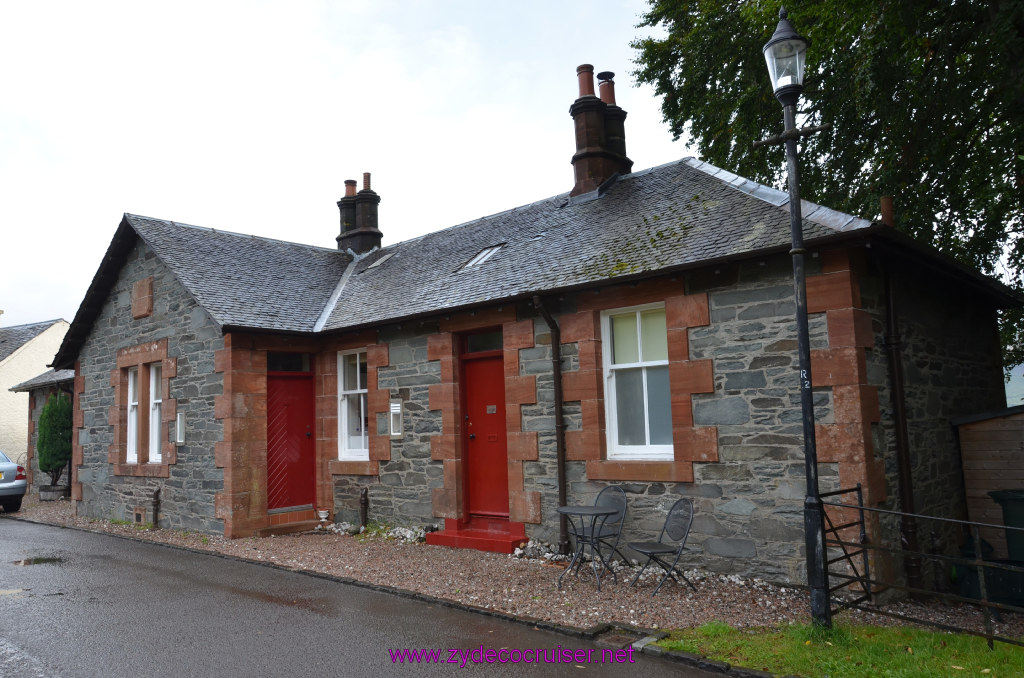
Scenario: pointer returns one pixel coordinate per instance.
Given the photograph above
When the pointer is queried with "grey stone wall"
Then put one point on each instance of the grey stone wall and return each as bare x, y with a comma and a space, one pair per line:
401, 494
749, 504
952, 368
187, 496
951, 362
542, 475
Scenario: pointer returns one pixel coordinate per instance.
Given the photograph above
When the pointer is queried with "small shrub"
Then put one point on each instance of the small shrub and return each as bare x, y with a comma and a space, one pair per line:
55, 436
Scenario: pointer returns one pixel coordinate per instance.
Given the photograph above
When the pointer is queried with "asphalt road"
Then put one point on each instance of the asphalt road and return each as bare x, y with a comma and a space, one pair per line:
76, 604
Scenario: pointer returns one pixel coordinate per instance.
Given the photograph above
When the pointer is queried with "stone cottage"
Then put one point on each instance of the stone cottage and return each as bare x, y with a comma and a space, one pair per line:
636, 330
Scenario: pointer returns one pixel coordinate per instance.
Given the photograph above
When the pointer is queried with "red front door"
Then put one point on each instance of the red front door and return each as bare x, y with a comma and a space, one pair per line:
486, 460
291, 468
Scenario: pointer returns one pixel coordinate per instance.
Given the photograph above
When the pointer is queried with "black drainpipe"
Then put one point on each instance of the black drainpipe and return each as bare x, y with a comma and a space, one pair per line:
894, 347
556, 370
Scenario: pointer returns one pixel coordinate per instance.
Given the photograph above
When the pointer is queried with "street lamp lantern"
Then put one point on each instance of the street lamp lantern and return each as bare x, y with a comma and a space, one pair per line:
785, 54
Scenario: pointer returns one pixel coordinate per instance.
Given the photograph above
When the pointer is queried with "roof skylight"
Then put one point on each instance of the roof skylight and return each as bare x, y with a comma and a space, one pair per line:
483, 256
381, 260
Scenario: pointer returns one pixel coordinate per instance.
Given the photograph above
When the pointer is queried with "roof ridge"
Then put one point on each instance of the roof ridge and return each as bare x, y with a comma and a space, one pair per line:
247, 236
810, 211
24, 325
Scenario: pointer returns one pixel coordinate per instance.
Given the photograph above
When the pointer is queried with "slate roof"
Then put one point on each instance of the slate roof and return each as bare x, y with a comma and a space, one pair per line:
670, 217
680, 215
47, 378
243, 280
14, 337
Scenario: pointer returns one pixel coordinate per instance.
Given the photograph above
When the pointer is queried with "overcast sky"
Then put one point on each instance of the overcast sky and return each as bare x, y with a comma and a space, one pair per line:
249, 116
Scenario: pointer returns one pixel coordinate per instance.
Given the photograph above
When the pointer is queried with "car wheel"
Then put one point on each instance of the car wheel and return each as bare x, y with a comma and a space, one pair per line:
12, 505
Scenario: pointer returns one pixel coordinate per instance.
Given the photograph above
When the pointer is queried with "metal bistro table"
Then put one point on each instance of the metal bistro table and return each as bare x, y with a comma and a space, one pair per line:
580, 515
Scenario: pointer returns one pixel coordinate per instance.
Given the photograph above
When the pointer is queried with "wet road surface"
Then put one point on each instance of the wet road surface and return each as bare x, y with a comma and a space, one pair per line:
75, 604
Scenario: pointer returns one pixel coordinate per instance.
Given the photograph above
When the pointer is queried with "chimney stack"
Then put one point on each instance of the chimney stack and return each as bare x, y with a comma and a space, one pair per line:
359, 231
600, 132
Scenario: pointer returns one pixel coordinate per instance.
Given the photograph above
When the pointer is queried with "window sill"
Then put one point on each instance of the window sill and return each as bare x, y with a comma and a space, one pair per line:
352, 468
645, 458
143, 470
637, 470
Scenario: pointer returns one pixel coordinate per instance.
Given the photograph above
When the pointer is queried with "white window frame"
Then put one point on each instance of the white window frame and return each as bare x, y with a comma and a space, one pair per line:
647, 452
132, 452
347, 452
156, 389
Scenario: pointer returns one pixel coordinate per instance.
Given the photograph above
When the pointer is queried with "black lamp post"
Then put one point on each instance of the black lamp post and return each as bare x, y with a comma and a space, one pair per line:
785, 56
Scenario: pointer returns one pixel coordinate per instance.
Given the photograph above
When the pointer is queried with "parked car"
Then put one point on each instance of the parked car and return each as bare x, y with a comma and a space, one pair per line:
13, 484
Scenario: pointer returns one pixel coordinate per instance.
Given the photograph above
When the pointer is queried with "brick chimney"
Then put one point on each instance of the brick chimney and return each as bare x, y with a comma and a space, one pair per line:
359, 231
600, 132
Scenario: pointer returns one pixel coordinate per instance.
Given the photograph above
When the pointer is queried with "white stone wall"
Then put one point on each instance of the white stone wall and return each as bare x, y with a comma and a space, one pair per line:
27, 362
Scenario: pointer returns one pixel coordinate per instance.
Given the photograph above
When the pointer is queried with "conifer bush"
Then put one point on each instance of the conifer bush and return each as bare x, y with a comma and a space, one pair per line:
55, 436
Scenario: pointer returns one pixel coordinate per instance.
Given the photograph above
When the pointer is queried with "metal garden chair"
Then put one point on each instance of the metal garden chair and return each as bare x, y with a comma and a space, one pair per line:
609, 531
670, 545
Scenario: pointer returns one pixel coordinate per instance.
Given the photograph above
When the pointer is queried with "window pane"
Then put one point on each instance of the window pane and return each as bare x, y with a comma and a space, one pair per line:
655, 338
659, 406
624, 340
486, 341
154, 432
133, 385
287, 362
629, 406
155, 387
354, 371
354, 435
131, 454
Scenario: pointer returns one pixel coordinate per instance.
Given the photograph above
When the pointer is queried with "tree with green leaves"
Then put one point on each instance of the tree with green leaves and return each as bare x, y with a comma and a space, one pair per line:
55, 436
925, 98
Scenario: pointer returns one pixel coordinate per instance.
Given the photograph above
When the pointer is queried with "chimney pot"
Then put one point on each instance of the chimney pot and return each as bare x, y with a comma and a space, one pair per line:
888, 217
366, 181
350, 188
607, 87
585, 74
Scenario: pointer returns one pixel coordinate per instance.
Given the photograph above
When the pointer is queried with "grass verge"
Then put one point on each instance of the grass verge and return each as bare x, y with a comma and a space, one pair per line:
848, 651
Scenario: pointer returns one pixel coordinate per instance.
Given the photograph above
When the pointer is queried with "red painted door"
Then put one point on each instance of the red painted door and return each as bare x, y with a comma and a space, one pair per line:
291, 467
486, 445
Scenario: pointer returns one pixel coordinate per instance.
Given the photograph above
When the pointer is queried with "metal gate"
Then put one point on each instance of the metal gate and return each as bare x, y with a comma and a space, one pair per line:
956, 548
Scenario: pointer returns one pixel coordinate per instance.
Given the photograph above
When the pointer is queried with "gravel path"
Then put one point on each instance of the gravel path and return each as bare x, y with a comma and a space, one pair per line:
523, 587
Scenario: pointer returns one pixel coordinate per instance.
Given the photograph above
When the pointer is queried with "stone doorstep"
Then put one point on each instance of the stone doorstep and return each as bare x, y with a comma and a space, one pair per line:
475, 539
497, 536
286, 528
